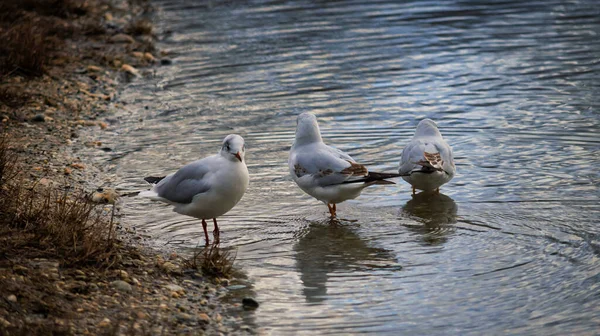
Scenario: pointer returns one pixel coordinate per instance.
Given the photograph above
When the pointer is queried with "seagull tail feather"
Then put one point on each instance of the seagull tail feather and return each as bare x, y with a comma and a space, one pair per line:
377, 178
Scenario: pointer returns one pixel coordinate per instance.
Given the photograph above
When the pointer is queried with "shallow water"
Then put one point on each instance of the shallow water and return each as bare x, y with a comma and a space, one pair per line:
511, 245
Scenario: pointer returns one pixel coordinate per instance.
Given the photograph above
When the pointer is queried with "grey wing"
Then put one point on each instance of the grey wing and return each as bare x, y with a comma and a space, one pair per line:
447, 157
186, 183
411, 154
327, 166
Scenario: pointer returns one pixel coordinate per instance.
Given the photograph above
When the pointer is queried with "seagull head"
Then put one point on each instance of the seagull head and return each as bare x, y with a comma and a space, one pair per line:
233, 148
307, 129
427, 127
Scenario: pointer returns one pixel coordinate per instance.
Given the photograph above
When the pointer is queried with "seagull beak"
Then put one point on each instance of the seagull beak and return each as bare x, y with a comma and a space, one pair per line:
237, 155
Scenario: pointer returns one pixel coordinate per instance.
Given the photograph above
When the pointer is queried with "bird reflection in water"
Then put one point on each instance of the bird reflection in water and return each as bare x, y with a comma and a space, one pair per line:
435, 213
333, 246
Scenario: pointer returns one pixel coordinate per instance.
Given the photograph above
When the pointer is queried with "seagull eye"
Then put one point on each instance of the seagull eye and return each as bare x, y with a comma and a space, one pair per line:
227, 146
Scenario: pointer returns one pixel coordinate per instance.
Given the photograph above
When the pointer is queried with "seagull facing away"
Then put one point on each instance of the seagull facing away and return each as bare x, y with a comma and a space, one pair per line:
427, 161
326, 173
206, 188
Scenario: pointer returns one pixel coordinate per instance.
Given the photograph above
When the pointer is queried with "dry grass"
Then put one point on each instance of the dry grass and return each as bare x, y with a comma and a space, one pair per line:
31, 30
15, 9
212, 261
49, 222
25, 49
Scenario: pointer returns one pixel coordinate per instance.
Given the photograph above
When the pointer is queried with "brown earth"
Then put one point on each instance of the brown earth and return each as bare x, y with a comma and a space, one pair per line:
63, 269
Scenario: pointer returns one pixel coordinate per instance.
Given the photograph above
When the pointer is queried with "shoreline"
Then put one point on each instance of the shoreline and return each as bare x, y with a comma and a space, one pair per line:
45, 118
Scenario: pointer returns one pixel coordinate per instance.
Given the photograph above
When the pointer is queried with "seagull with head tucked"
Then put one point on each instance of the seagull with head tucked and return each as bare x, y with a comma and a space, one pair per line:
207, 188
326, 173
427, 161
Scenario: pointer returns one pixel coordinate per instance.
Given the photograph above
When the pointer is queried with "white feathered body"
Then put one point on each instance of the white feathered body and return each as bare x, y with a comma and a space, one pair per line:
422, 174
204, 189
320, 183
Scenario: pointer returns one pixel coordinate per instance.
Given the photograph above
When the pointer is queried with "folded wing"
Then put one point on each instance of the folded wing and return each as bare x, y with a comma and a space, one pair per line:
186, 183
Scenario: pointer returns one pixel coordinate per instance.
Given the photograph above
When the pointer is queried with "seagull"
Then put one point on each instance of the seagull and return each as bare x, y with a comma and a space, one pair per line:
326, 173
427, 161
206, 188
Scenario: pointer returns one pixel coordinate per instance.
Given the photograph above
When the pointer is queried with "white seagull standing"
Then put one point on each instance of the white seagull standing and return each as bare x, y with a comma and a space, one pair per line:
427, 161
326, 173
206, 188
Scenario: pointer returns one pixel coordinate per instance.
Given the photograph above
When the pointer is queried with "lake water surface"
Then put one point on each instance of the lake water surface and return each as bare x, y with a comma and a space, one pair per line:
512, 244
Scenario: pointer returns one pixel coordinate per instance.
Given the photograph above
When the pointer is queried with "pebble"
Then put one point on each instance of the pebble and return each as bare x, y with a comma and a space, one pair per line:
169, 267
202, 317
4, 322
104, 323
93, 68
250, 303
11, 298
39, 118
122, 38
184, 317
20, 269
235, 287
123, 274
148, 57
166, 61
129, 69
121, 285
174, 288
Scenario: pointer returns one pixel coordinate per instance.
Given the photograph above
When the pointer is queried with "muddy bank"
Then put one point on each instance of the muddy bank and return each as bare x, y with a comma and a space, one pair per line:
60, 74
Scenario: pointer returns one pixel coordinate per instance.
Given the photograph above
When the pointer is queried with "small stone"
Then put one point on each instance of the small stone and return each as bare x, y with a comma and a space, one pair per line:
175, 295
183, 317
68, 171
93, 68
79, 272
104, 323
136, 282
250, 303
218, 318
20, 269
129, 69
169, 267
148, 57
141, 315
108, 17
39, 118
121, 285
166, 61
174, 288
4, 322
138, 54
202, 317
78, 165
203, 302
11, 298
123, 274
122, 38
163, 306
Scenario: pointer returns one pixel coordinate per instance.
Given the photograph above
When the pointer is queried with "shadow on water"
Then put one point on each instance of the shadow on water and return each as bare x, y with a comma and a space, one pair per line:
435, 215
331, 246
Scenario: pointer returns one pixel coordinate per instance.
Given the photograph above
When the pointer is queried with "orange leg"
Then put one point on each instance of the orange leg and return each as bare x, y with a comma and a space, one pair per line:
205, 232
331, 209
216, 232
